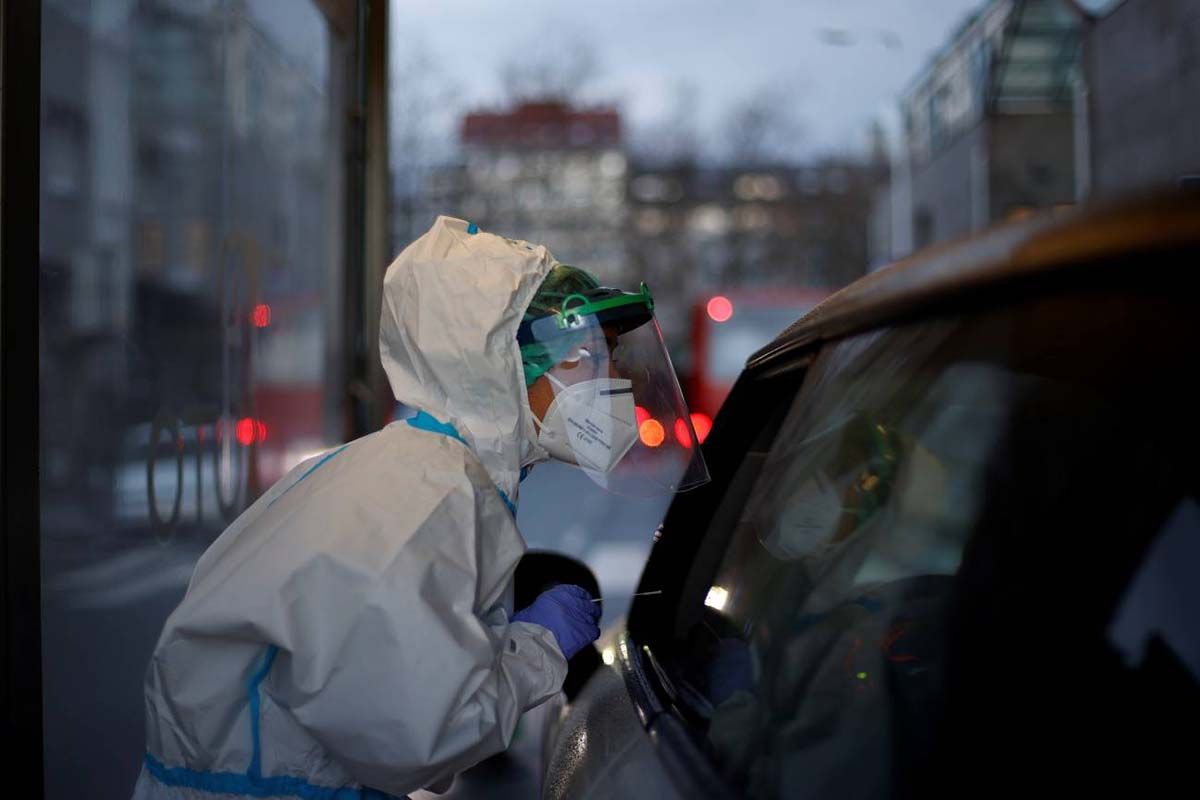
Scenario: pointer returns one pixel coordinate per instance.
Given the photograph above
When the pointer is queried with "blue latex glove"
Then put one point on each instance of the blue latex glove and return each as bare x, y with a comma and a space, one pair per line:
568, 612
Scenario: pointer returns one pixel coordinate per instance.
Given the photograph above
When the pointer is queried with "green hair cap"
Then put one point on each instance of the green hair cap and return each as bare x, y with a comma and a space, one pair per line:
560, 283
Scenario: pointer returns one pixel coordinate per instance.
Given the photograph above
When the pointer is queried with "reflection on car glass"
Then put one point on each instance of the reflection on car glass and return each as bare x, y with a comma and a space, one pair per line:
938, 490
843, 475
944, 519
1163, 597
831, 629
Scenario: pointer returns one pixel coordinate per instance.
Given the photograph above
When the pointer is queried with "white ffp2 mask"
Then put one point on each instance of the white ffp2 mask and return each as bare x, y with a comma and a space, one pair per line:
809, 520
591, 423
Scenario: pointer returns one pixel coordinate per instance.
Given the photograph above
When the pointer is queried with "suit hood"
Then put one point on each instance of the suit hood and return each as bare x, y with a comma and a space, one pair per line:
452, 302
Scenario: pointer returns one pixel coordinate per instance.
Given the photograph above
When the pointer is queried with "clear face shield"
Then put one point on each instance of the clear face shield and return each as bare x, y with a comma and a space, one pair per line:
617, 411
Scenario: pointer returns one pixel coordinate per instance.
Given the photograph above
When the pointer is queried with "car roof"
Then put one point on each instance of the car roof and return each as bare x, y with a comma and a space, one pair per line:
1042, 246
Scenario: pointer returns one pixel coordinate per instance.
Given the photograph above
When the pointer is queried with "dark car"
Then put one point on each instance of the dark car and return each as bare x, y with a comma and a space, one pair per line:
951, 545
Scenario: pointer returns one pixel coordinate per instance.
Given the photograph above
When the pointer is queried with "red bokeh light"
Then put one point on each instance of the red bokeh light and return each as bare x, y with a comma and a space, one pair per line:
682, 434
249, 431
652, 433
720, 309
641, 414
702, 423
261, 316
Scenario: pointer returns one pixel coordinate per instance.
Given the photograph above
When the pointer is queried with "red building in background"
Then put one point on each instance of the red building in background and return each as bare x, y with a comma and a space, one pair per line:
545, 125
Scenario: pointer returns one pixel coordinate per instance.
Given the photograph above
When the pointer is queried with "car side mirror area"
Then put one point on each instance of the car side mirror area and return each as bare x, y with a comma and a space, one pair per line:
539, 570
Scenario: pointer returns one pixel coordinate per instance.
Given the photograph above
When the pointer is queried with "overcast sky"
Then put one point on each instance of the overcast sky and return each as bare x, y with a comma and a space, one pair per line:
837, 64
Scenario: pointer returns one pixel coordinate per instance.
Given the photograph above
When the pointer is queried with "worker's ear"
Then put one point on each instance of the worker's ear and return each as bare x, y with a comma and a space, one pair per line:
541, 394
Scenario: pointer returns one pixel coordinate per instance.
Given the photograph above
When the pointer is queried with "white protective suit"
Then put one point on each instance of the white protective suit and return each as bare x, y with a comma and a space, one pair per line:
350, 629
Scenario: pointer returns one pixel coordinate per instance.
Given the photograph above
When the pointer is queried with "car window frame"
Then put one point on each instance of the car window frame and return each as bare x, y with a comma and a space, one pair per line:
672, 562
672, 556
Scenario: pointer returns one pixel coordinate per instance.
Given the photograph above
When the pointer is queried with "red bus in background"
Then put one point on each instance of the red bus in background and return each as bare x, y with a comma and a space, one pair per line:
727, 327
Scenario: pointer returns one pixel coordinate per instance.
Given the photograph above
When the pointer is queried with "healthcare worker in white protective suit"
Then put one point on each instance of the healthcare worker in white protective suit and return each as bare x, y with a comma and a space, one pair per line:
351, 634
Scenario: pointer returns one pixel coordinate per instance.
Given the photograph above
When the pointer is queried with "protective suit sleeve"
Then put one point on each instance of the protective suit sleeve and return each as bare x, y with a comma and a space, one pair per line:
401, 660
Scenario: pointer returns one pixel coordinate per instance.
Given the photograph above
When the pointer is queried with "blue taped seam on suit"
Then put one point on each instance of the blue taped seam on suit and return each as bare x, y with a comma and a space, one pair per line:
512, 509
252, 783
241, 784
252, 692
427, 422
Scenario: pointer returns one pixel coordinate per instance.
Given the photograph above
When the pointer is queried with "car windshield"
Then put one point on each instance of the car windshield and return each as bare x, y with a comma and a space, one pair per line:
922, 520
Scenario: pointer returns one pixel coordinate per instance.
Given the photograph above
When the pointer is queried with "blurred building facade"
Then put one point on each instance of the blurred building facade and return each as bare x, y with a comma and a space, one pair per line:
545, 172
1142, 112
200, 213
552, 174
181, 191
695, 230
988, 128
1038, 104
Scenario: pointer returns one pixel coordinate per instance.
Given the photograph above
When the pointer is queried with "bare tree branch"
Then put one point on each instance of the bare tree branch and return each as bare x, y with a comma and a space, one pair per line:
558, 67
763, 128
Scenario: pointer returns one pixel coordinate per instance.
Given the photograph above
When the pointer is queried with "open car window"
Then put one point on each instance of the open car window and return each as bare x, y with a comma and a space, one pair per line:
921, 546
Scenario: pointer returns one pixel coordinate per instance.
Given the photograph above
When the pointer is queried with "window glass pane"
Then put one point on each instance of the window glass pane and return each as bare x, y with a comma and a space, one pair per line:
952, 506
190, 259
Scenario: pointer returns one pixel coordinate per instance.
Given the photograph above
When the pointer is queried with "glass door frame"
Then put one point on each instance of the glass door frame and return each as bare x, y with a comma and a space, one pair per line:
365, 195
20, 97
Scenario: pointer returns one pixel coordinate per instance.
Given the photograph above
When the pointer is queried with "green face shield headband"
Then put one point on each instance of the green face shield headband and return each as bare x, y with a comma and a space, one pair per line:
547, 340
